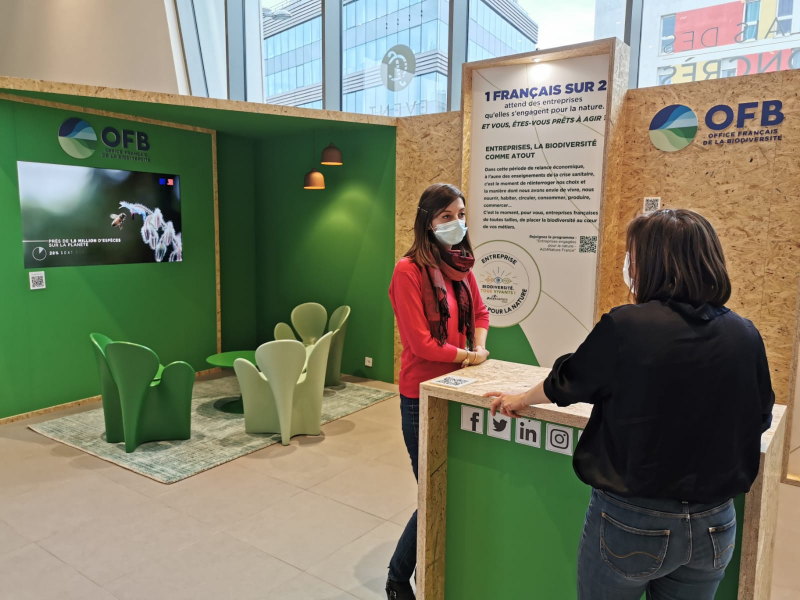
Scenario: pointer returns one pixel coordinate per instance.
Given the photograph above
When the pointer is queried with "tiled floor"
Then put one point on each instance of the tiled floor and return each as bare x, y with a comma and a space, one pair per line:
316, 520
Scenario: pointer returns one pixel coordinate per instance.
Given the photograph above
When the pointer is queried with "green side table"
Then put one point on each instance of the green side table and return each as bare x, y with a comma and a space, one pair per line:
225, 360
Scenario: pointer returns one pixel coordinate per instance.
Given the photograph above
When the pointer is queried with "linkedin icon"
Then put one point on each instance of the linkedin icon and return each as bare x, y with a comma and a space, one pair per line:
529, 432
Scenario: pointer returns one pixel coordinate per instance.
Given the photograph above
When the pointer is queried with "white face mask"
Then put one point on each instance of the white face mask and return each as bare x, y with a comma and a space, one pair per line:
626, 273
451, 234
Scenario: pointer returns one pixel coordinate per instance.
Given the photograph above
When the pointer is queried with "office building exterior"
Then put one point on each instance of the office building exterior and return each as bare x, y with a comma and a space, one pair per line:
395, 53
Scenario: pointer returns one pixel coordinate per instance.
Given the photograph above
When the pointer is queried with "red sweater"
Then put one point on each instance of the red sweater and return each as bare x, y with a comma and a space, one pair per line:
423, 358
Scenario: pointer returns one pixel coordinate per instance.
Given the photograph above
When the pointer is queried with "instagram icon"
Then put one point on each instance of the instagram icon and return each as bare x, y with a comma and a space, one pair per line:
559, 439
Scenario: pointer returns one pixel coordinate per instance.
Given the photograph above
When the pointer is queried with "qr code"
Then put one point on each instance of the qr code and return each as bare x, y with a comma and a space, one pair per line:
652, 204
455, 382
37, 281
588, 243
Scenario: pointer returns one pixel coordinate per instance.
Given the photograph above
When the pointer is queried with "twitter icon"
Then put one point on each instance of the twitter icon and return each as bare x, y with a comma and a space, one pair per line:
500, 427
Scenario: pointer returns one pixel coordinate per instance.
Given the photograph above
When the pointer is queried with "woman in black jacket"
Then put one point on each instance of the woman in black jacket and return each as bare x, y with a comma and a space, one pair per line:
681, 394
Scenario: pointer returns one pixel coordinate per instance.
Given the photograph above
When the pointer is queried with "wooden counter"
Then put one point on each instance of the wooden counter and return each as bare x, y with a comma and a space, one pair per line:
760, 507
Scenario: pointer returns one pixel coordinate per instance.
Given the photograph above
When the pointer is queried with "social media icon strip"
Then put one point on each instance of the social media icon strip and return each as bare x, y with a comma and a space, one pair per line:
472, 419
499, 426
529, 432
559, 439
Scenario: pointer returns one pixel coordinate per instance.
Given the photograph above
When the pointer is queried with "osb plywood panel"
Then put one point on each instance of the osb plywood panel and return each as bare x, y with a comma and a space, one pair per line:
747, 191
428, 152
432, 499
52, 87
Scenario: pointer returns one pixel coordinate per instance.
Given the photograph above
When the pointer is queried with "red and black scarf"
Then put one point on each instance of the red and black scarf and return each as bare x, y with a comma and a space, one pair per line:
455, 267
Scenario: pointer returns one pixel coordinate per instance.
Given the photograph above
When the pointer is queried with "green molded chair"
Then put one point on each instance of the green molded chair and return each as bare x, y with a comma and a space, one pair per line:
112, 411
309, 322
281, 398
108, 388
284, 331
338, 325
152, 410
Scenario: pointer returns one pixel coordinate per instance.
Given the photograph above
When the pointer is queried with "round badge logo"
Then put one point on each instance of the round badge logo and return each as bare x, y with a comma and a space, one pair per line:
398, 68
509, 280
673, 128
77, 138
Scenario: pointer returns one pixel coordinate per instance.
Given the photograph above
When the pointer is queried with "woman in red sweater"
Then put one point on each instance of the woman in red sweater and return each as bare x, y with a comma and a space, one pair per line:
443, 324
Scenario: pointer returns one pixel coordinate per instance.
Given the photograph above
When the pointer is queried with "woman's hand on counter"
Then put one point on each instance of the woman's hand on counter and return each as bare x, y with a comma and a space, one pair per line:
507, 404
475, 357
510, 404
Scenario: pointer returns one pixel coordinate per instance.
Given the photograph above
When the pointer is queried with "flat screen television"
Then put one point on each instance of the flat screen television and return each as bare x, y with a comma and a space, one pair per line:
80, 216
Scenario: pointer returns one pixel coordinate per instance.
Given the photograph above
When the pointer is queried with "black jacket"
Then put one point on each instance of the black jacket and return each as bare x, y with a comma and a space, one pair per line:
681, 397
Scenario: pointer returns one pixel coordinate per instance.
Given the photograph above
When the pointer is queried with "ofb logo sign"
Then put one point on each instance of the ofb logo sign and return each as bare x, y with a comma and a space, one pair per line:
77, 138
398, 68
673, 128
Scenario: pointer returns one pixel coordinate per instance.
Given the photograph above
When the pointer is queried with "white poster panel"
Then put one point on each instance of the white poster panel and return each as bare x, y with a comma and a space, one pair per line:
536, 173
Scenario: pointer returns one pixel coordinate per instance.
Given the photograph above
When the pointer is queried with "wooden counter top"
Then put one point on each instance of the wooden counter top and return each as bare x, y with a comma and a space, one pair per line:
501, 376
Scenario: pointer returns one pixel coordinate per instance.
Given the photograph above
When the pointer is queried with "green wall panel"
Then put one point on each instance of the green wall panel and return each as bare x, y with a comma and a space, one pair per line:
237, 235
510, 344
332, 246
514, 519
45, 357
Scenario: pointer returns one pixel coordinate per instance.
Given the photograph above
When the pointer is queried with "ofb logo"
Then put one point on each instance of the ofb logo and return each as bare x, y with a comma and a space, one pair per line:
77, 138
398, 68
673, 128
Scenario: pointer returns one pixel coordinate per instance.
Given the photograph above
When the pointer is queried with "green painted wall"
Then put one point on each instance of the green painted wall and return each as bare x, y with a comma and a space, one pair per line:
514, 520
45, 356
510, 344
237, 239
332, 246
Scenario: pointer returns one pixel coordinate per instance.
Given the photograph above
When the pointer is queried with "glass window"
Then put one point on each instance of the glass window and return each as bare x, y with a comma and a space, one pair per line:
785, 13
714, 39
751, 14
404, 37
350, 15
492, 33
361, 12
294, 66
429, 36
210, 19
360, 56
415, 40
409, 28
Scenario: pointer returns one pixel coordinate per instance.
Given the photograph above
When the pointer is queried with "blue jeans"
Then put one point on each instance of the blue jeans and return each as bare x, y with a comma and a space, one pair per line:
669, 549
404, 560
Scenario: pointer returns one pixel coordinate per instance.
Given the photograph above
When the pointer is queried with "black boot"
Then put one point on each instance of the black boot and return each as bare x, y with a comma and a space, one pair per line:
396, 590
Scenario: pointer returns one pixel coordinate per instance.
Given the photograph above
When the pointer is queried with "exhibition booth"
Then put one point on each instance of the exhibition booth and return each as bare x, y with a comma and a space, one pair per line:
231, 220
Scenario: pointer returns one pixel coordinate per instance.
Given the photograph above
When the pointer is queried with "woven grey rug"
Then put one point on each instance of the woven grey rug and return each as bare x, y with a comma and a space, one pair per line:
217, 437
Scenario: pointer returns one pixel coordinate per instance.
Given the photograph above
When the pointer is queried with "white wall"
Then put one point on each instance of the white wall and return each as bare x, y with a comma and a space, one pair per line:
112, 43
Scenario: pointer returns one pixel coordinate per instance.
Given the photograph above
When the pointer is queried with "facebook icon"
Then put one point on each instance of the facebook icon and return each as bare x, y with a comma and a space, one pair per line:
472, 419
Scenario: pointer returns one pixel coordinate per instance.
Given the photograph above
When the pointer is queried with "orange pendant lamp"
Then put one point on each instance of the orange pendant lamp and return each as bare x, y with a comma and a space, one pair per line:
332, 156
314, 179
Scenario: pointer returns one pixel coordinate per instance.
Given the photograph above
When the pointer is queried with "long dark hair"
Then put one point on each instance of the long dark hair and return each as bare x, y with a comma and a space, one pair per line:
676, 255
426, 250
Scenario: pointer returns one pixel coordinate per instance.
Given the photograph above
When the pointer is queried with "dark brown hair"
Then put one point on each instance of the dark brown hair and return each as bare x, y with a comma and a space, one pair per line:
425, 250
676, 255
